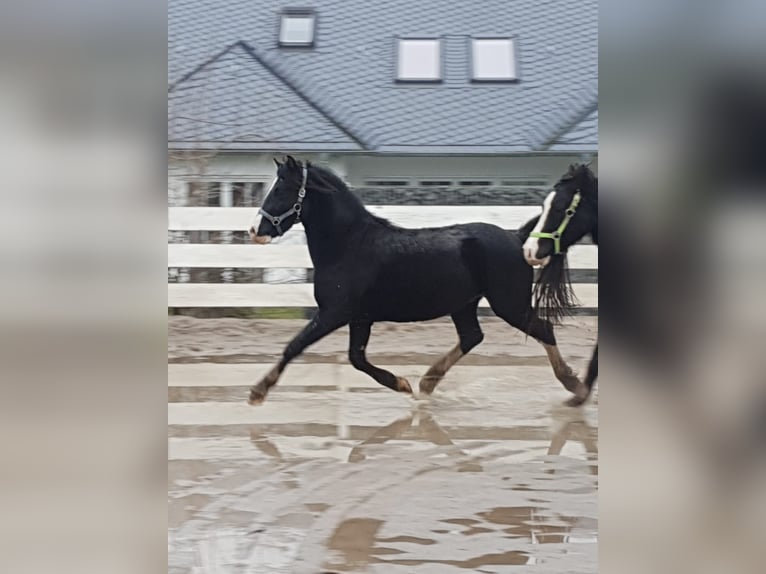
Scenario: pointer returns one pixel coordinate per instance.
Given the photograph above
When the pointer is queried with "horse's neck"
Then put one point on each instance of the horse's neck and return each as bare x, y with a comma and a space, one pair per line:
332, 229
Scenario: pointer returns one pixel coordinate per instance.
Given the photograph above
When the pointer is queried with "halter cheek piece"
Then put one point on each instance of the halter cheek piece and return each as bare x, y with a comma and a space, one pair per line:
556, 235
276, 220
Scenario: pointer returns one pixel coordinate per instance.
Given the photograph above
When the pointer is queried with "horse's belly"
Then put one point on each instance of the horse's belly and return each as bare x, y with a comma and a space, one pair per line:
419, 299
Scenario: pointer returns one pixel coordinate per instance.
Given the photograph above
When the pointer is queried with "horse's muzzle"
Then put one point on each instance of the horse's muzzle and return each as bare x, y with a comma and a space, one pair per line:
259, 239
531, 247
534, 262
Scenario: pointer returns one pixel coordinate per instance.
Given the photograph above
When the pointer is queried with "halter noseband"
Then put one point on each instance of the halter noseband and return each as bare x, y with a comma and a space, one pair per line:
556, 235
276, 220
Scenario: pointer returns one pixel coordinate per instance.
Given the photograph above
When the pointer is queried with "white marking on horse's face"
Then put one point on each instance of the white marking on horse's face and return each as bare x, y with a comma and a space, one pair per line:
532, 244
255, 223
253, 231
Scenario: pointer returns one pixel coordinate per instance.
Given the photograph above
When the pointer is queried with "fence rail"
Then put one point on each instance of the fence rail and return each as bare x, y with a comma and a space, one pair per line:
240, 218
296, 256
286, 295
286, 283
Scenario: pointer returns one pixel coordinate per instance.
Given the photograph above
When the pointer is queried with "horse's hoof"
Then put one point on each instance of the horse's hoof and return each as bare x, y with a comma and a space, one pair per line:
403, 386
356, 457
257, 395
255, 399
575, 401
427, 385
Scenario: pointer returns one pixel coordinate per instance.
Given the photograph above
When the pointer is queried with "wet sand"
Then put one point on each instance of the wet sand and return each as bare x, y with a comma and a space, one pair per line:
335, 473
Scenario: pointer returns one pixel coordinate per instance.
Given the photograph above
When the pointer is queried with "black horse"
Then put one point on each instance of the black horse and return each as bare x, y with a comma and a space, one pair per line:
570, 212
368, 270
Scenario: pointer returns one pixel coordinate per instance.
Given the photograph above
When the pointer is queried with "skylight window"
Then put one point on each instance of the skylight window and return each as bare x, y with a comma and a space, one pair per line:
296, 28
494, 59
419, 60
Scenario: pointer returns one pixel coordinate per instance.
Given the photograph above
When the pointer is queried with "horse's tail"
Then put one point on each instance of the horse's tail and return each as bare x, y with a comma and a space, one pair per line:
553, 295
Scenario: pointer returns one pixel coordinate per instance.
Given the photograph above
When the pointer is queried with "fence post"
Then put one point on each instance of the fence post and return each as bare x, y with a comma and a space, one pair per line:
226, 199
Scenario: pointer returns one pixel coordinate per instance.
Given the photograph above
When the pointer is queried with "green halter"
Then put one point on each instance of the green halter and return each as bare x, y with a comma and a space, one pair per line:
556, 235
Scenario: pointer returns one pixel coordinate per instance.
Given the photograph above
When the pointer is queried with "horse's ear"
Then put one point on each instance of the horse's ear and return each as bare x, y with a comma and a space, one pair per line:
276, 161
291, 161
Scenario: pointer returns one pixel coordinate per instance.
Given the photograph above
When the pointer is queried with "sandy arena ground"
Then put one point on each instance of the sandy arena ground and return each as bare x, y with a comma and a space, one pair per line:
335, 473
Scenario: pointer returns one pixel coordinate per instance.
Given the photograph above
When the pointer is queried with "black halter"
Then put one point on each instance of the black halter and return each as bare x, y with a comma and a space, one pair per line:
276, 220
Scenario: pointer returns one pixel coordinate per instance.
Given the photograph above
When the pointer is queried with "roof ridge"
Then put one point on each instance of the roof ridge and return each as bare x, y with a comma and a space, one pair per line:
543, 143
196, 69
282, 78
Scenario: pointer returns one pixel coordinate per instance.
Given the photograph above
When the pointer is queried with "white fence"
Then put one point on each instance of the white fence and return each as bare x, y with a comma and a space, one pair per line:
293, 256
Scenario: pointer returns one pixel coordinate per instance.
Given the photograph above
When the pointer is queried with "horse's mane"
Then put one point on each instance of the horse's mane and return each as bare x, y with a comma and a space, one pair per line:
590, 193
329, 181
553, 295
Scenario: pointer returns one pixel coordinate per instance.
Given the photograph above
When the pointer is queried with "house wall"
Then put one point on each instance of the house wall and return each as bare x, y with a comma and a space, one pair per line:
360, 168
239, 166
357, 169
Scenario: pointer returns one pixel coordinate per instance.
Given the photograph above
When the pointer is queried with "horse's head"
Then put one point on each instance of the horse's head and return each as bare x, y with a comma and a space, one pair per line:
283, 204
569, 212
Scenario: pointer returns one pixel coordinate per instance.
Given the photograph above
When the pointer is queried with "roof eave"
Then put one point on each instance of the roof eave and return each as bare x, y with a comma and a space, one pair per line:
260, 146
244, 147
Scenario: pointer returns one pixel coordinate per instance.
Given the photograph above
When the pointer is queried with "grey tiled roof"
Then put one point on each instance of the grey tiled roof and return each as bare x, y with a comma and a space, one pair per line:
232, 85
235, 99
581, 134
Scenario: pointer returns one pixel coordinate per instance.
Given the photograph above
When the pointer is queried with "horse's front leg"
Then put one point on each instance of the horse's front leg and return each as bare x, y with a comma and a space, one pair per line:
323, 323
359, 335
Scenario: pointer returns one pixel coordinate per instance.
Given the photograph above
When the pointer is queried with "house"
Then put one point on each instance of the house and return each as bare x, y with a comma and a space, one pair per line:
396, 96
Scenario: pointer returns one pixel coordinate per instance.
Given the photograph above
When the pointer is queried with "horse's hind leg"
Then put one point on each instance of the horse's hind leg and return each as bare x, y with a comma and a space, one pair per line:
359, 335
469, 332
322, 324
527, 320
542, 330
584, 391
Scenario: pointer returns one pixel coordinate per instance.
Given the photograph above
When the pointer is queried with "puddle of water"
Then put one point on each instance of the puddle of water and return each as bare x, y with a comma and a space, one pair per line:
353, 542
510, 558
369, 482
410, 539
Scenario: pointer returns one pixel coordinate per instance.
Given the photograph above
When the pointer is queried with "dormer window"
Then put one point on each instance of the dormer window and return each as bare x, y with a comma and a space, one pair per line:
493, 59
419, 60
297, 28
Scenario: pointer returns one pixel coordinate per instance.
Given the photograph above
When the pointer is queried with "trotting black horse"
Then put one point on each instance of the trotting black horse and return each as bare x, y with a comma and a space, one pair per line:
369, 270
570, 212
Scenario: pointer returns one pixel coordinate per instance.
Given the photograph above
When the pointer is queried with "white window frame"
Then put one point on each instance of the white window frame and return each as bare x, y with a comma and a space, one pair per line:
297, 13
514, 60
438, 78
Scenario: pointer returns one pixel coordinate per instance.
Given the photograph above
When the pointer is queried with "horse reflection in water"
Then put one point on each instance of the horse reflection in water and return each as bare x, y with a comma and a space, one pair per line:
571, 427
351, 527
421, 425
427, 428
